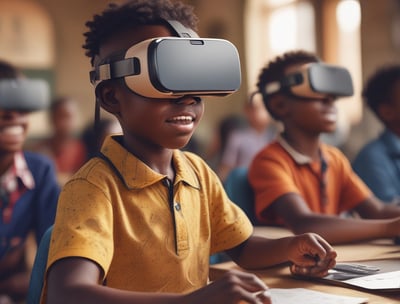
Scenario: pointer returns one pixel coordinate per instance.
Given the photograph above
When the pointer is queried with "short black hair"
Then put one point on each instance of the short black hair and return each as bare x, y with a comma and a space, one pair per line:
275, 70
379, 87
116, 17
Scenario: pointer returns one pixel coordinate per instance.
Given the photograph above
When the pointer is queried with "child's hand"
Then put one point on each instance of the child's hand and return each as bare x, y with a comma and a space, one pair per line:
233, 288
311, 255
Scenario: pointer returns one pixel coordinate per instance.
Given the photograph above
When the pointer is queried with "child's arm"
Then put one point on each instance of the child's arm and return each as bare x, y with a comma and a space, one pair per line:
310, 254
76, 280
335, 229
373, 208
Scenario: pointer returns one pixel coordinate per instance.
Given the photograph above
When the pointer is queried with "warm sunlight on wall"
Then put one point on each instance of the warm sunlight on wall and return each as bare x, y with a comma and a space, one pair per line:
26, 34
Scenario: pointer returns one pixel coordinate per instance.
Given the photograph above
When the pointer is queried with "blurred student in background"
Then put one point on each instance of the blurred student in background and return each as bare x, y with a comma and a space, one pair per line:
28, 184
243, 143
226, 126
378, 162
93, 136
64, 145
301, 182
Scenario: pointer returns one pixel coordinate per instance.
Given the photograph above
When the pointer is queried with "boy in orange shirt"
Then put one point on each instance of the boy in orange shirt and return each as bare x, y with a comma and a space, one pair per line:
299, 181
138, 223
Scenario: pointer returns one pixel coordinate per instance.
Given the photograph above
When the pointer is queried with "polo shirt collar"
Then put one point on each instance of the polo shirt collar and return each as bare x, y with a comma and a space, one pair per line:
299, 158
22, 171
18, 171
136, 174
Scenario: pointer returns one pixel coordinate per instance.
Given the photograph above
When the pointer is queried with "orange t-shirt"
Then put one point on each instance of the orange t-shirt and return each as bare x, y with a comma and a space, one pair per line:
275, 172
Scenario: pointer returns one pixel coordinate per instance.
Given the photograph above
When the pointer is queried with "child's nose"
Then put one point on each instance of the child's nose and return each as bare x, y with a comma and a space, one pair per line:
188, 100
329, 99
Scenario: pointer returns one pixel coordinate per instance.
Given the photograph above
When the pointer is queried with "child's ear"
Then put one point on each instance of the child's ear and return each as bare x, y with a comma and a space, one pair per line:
106, 95
278, 105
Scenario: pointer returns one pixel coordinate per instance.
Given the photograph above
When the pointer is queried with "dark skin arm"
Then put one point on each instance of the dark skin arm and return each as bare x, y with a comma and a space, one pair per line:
310, 254
373, 208
375, 221
76, 280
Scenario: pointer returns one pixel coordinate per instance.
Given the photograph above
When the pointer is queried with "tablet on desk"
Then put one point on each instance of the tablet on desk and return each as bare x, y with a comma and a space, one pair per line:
374, 275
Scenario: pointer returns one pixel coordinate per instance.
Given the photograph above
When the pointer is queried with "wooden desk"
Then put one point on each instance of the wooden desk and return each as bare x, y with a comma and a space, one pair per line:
280, 277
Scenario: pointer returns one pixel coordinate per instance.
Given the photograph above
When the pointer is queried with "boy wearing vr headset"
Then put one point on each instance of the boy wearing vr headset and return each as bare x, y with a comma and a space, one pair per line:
299, 181
138, 223
28, 184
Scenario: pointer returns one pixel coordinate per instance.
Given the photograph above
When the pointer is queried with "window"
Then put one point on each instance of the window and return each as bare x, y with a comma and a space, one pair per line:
276, 26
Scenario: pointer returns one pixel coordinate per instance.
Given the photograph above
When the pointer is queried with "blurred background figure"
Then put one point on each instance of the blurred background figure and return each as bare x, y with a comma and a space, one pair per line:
93, 138
64, 144
217, 145
243, 143
378, 162
28, 185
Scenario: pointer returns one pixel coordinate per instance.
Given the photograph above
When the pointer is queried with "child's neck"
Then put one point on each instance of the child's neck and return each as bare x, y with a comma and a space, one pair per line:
158, 159
307, 145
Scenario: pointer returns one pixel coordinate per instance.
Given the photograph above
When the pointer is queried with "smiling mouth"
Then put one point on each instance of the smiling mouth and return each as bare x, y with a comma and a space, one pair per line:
181, 120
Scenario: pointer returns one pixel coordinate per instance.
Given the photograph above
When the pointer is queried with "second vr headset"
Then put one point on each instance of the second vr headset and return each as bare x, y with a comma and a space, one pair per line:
171, 67
24, 94
314, 80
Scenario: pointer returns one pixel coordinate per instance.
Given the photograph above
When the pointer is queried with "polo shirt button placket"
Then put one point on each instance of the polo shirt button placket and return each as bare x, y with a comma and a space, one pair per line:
181, 229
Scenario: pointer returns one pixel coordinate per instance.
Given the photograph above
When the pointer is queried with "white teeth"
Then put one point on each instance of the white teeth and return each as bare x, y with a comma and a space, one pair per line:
12, 130
182, 118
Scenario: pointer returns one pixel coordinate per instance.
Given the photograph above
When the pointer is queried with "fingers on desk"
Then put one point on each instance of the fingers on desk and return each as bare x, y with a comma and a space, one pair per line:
249, 288
262, 297
319, 269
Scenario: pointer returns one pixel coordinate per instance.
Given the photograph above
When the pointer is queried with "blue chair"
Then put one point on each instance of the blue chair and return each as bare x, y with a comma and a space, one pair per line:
39, 268
238, 188
240, 192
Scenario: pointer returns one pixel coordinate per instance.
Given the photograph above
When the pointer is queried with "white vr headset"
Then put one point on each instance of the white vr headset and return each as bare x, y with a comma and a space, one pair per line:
171, 67
22, 94
314, 80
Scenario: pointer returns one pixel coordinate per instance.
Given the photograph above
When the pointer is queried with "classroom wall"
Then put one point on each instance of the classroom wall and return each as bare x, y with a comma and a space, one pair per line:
222, 19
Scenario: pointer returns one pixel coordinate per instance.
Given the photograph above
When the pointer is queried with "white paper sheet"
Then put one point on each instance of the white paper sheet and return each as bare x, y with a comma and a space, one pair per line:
385, 280
308, 296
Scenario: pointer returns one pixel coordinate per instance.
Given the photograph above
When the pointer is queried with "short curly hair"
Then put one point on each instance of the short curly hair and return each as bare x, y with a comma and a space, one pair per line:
380, 85
275, 71
116, 17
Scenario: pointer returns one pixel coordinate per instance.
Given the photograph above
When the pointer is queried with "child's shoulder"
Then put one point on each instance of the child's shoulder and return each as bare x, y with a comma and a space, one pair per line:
193, 159
335, 156
271, 150
38, 161
332, 150
196, 163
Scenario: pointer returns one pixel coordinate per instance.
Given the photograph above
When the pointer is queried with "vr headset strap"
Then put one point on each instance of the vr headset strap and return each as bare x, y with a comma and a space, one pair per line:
181, 30
286, 82
116, 69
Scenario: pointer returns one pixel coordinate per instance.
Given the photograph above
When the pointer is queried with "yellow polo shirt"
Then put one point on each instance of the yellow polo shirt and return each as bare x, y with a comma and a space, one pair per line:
144, 235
